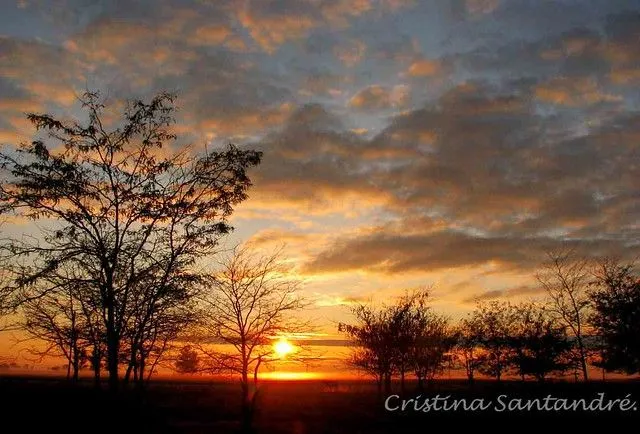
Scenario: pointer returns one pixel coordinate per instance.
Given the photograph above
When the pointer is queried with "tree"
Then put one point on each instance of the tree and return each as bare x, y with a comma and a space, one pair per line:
385, 338
250, 302
408, 324
56, 320
494, 321
6, 290
187, 361
373, 336
129, 214
468, 343
616, 315
540, 344
433, 340
565, 279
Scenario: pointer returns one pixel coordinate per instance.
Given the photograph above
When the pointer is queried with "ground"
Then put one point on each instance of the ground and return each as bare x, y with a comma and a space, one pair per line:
31, 404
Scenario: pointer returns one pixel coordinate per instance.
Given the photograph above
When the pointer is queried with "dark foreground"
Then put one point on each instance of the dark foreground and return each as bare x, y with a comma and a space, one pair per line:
50, 405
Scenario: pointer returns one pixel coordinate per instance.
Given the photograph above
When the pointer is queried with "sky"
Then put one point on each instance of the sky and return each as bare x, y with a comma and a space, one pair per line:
406, 143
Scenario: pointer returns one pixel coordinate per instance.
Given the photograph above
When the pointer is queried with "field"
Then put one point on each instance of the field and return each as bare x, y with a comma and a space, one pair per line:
32, 404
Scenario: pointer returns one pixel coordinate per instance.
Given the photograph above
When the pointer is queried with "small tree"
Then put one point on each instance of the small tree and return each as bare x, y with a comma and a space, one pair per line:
375, 352
433, 340
494, 321
468, 343
616, 315
565, 279
386, 338
187, 361
540, 344
250, 302
56, 320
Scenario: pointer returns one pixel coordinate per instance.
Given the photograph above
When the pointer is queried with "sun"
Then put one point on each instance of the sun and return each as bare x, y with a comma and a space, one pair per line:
282, 348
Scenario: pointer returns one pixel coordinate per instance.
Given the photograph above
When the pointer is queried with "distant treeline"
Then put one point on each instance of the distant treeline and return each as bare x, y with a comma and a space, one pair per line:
590, 316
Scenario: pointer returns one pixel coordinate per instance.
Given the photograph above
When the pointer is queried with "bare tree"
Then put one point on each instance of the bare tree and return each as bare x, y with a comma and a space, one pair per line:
565, 277
56, 320
250, 302
126, 208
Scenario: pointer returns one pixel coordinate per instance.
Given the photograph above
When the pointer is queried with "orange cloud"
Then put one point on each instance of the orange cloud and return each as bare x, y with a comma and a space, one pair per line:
625, 76
210, 35
351, 53
271, 31
574, 91
425, 67
380, 97
337, 13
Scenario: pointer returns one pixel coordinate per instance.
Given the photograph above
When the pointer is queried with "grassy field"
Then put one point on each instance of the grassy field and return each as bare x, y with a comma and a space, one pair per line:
32, 404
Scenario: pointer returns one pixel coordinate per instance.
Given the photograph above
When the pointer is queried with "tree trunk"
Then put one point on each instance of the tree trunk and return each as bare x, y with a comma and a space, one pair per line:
112, 360
76, 365
113, 343
583, 359
387, 383
402, 380
246, 402
96, 373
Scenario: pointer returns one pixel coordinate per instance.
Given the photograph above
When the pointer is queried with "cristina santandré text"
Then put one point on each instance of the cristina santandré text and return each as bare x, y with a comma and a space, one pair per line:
504, 403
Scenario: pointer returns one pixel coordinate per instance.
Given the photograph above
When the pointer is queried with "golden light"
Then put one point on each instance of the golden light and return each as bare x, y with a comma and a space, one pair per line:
282, 348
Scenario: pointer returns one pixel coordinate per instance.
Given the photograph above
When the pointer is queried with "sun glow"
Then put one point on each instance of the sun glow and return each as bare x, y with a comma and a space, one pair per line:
282, 348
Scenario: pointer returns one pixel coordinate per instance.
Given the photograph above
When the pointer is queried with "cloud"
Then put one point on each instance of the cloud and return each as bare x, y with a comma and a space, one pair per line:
210, 35
424, 68
350, 53
509, 138
510, 293
376, 97
271, 24
573, 91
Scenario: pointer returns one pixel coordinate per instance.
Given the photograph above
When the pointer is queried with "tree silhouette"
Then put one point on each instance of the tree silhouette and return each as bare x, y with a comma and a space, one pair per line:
374, 337
129, 214
248, 303
494, 321
433, 340
616, 315
398, 338
540, 344
187, 361
468, 342
565, 277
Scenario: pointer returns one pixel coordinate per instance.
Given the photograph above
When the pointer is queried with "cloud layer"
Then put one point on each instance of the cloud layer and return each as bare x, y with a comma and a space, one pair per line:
403, 140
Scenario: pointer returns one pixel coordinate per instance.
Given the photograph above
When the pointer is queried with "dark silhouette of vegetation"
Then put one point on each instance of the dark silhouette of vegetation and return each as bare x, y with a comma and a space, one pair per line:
565, 277
433, 340
494, 321
187, 361
130, 217
402, 337
248, 302
467, 345
539, 343
616, 315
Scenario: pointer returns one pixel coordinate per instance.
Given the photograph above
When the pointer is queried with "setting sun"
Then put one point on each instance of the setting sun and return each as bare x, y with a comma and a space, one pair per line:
282, 348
